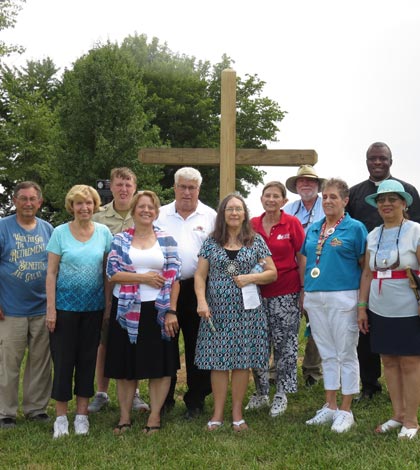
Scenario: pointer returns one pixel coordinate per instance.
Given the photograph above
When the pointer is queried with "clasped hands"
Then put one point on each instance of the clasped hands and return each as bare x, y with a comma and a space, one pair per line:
153, 279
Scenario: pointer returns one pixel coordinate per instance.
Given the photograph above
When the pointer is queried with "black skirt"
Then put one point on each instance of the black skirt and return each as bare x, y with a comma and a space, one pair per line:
395, 336
150, 358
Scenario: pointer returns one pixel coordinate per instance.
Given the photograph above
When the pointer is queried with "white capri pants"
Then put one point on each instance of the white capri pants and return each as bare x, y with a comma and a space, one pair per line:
333, 320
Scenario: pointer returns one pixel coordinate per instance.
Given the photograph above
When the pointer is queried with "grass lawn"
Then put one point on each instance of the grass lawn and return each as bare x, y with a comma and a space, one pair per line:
280, 443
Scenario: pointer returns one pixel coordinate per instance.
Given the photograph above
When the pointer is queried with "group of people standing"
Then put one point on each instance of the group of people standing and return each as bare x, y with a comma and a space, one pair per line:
123, 281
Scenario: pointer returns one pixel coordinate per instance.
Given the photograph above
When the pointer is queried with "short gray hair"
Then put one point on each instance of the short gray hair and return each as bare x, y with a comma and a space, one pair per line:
188, 173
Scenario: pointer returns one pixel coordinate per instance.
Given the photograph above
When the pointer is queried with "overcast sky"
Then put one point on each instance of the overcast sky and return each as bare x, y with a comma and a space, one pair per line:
346, 72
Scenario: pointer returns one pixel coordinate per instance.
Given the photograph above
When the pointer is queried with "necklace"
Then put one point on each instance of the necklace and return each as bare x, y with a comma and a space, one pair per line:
384, 261
323, 236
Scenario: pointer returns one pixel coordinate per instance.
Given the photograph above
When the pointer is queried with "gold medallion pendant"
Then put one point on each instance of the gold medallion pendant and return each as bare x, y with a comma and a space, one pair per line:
315, 272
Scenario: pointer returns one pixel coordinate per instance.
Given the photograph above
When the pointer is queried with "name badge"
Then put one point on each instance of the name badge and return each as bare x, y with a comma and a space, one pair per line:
384, 274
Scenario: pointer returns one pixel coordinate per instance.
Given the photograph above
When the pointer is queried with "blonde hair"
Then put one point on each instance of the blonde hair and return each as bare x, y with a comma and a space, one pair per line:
152, 195
81, 191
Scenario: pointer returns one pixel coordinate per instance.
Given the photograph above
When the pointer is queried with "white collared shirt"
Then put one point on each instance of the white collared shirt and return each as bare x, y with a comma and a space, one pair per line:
189, 233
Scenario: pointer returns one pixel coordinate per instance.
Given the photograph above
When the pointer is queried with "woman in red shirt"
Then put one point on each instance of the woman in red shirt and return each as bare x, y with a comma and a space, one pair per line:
284, 236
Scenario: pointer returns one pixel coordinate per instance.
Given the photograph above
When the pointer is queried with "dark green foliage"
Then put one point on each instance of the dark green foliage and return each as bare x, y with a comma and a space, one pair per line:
185, 97
114, 101
103, 116
28, 99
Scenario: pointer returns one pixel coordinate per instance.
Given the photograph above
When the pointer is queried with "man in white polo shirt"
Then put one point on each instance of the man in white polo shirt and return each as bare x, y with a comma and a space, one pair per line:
190, 222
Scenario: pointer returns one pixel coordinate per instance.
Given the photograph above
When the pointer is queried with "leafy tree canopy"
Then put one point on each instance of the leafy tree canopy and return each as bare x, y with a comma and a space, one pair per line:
28, 98
185, 96
115, 100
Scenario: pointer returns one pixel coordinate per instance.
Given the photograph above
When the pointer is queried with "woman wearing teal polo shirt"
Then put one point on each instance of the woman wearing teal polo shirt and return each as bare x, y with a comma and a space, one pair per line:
334, 250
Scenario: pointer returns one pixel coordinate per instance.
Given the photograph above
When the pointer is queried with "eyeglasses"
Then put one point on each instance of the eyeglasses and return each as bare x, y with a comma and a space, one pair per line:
27, 199
390, 199
234, 209
184, 188
387, 268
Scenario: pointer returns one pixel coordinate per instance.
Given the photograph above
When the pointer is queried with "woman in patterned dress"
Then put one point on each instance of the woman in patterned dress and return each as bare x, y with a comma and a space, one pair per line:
231, 337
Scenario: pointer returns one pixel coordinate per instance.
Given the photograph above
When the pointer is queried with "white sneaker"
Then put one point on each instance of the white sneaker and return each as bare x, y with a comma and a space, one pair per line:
61, 427
139, 404
81, 425
343, 421
322, 416
257, 401
279, 404
100, 400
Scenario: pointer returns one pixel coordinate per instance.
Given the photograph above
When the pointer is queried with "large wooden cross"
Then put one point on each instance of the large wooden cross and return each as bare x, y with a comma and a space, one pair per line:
228, 156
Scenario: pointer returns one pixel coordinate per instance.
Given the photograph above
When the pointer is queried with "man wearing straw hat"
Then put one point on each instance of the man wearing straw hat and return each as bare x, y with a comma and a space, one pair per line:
308, 209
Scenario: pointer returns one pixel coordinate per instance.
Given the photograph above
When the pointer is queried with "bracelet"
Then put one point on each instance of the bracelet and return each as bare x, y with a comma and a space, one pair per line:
174, 312
362, 304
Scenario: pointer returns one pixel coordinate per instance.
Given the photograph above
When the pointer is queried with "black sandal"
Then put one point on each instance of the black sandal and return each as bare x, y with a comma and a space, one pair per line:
120, 429
151, 429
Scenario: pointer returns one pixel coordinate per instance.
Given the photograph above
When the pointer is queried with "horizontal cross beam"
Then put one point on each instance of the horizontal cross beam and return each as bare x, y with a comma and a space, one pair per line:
211, 157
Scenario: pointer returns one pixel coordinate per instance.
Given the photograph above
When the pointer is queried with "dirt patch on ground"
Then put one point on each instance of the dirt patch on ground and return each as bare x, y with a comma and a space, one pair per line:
182, 373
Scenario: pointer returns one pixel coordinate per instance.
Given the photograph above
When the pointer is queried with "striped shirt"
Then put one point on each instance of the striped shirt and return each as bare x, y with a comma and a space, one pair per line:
129, 301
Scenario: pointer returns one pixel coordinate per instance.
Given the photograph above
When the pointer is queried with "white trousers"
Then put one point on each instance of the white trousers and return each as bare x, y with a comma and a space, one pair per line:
333, 320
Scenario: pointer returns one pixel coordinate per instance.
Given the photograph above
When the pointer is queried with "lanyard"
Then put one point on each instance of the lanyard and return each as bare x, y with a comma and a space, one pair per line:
323, 236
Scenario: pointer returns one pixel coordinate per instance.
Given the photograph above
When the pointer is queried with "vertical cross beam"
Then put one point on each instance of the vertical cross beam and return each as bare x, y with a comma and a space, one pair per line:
228, 133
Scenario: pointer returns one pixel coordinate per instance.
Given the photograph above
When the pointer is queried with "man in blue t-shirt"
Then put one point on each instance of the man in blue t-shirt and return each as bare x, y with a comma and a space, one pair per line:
23, 269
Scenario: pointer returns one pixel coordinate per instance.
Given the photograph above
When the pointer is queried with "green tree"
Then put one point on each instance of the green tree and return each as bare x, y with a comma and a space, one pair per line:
185, 97
104, 119
9, 10
28, 98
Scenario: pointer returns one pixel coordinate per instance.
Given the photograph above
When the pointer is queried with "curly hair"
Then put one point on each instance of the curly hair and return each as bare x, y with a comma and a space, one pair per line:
81, 191
188, 173
342, 187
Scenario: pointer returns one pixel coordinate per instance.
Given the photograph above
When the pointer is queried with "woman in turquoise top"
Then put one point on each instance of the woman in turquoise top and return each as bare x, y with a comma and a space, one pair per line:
334, 250
77, 252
